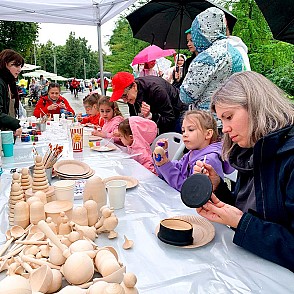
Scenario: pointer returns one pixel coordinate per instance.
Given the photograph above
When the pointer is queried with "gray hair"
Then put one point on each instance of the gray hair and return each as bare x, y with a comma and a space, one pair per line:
268, 107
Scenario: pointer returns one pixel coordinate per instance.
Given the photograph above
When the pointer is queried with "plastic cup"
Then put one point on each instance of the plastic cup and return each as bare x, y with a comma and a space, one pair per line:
7, 141
7, 150
76, 133
116, 190
56, 117
7, 137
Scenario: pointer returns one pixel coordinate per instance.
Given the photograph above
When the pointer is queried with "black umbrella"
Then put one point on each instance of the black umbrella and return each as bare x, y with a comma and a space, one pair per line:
279, 15
164, 22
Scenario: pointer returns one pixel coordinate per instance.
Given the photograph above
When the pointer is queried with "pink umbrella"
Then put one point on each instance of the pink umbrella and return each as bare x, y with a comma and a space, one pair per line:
151, 52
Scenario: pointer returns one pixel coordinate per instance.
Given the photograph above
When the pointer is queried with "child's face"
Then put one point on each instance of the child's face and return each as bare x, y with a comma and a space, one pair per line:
126, 140
91, 110
106, 112
194, 137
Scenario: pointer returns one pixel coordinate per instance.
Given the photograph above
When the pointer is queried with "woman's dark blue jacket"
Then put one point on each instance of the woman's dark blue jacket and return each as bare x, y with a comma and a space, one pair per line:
269, 231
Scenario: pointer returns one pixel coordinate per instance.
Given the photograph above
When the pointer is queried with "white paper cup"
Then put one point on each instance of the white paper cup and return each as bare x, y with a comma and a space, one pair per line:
56, 117
116, 190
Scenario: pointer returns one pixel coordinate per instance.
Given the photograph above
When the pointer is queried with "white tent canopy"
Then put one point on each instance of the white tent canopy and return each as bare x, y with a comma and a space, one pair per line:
78, 12
37, 73
28, 66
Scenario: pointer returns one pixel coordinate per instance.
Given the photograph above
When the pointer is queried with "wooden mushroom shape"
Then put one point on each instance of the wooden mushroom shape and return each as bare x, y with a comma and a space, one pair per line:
128, 243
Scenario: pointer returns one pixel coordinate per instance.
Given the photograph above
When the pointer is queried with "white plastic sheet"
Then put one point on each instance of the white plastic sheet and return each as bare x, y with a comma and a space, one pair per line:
218, 267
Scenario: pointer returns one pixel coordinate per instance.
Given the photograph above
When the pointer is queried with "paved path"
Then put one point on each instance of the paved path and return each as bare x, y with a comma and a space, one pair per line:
77, 103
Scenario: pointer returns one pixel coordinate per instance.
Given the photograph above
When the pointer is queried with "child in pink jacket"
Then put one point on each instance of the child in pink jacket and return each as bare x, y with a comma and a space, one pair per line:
137, 134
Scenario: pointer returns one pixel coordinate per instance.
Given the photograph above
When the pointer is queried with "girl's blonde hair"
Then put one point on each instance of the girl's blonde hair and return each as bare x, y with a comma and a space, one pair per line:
268, 107
204, 120
92, 99
105, 100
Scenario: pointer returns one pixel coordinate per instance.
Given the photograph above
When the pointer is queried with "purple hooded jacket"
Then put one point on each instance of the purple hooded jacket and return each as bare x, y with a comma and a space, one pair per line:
177, 171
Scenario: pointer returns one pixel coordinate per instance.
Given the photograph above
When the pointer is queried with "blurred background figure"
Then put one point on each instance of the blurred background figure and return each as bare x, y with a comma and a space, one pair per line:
149, 69
176, 73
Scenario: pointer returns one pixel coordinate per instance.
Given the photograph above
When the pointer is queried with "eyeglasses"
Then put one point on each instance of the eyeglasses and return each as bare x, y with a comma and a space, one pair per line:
124, 96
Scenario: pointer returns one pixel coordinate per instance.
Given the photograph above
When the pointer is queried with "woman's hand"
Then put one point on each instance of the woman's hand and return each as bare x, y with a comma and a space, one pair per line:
18, 132
220, 212
207, 169
145, 109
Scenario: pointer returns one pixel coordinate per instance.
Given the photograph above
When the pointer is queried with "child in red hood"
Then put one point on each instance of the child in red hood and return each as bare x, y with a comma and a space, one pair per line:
137, 134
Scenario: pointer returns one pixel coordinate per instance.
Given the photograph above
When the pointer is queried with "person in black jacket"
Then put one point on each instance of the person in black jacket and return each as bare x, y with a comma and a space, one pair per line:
258, 127
10, 67
150, 97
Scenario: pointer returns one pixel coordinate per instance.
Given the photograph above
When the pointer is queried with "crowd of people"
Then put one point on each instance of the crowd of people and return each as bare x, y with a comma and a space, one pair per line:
215, 83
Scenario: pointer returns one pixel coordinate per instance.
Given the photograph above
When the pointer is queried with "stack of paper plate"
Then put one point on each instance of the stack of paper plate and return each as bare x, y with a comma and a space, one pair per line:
73, 170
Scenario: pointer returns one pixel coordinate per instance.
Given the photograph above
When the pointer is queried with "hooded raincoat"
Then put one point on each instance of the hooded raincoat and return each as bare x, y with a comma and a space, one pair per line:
144, 132
175, 172
217, 59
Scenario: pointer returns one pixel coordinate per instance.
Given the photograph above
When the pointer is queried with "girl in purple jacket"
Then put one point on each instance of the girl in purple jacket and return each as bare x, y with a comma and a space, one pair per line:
200, 137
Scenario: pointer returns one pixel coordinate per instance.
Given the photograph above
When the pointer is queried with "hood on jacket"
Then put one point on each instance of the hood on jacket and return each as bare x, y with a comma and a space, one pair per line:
237, 43
208, 27
144, 131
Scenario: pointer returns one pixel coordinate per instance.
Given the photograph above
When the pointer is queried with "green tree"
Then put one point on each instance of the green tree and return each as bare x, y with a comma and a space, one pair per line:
123, 48
270, 57
18, 36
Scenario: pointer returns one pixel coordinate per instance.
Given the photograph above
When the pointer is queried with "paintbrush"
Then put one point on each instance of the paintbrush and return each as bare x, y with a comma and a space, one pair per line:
202, 168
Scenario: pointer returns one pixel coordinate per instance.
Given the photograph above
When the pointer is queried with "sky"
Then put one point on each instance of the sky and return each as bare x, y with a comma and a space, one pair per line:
58, 33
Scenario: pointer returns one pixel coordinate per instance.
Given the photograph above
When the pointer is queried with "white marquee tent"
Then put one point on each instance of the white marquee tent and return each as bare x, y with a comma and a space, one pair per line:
78, 12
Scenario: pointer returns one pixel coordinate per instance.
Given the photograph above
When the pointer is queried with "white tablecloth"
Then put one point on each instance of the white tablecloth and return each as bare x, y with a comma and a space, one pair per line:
218, 267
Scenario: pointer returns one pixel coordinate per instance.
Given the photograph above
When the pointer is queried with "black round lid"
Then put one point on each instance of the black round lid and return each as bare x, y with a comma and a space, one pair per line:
196, 190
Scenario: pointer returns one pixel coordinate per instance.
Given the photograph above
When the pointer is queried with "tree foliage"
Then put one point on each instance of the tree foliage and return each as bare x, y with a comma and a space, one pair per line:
270, 57
123, 47
18, 36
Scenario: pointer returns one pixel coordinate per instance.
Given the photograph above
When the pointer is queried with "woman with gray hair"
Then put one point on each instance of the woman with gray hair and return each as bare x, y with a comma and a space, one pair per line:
258, 127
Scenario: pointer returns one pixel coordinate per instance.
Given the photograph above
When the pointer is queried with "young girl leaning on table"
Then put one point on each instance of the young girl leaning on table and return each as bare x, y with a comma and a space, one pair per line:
137, 133
112, 117
200, 137
93, 117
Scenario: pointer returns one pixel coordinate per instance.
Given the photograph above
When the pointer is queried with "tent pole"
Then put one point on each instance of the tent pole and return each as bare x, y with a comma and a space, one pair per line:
100, 51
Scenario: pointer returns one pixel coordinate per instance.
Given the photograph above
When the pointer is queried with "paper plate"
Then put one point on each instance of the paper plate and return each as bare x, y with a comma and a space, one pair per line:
71, 168
131, 182
74, 177
103, 148
203, 230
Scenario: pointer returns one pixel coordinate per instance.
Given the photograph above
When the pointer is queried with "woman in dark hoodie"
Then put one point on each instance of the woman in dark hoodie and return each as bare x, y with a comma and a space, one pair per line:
10, 67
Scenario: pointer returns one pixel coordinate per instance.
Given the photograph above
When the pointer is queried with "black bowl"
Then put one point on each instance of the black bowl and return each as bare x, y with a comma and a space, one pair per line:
175, 232
196, 190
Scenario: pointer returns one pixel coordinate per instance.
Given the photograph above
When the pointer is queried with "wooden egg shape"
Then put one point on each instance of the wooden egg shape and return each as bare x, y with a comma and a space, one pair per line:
79, 216
15, 285
92, 212
97, 287
73, 265
81, 245
42, 196
106, 262
37, 212
55, 256
114, 288
72, 290
22, 214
